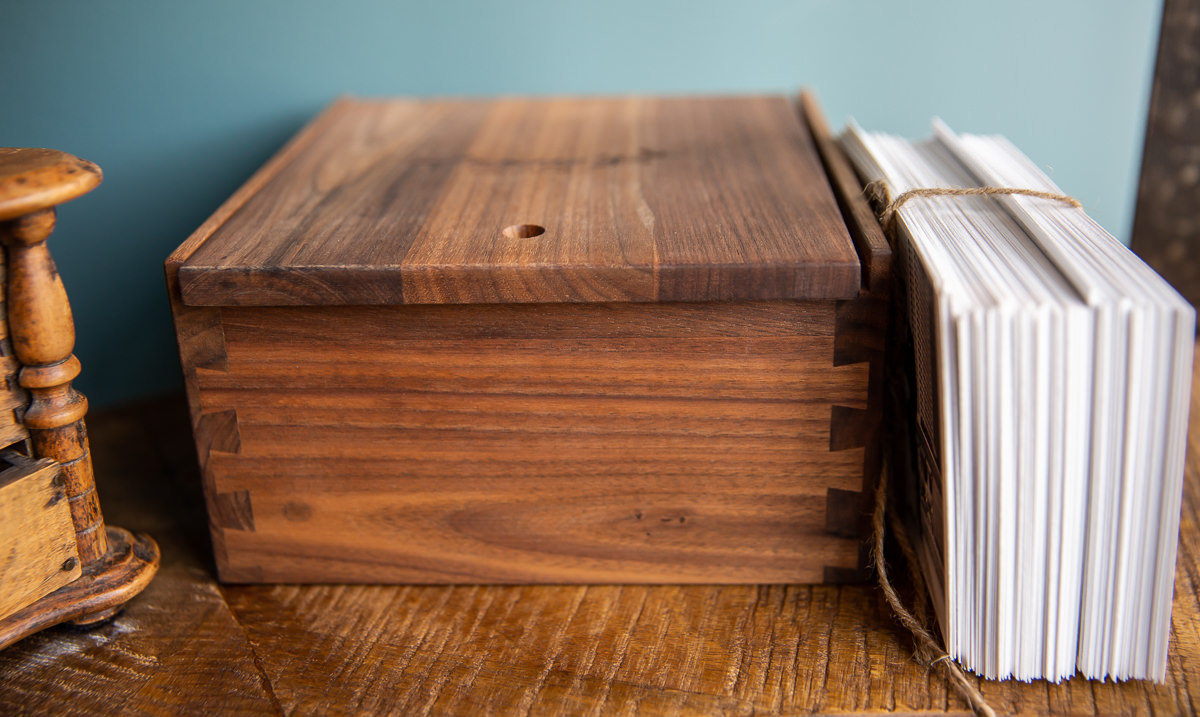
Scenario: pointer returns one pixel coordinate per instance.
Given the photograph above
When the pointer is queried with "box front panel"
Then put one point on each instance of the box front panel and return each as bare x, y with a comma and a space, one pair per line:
599, 443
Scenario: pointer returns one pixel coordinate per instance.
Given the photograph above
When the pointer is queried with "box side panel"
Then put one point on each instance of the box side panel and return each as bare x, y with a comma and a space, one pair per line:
198, 329
711, 443
39, 554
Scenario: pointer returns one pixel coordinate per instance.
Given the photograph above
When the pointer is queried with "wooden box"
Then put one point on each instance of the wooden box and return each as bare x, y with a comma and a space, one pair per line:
619, 340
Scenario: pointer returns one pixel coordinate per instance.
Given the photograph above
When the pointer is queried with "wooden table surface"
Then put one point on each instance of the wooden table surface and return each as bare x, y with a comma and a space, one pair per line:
191, 646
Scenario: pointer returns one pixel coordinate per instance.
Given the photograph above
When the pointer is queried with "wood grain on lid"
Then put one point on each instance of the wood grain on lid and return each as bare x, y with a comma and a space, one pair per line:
522, 200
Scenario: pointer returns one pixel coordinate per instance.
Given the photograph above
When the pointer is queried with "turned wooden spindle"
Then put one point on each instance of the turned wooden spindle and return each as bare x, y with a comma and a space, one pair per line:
43, 337
116, 565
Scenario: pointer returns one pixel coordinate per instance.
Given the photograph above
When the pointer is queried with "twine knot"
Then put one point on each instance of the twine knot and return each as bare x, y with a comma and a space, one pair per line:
886, 206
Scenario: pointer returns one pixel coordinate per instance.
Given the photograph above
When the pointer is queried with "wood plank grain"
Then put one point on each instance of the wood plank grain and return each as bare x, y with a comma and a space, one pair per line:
198, 330
624, 649
633, 199
187, 646
632, 649
862, 324
39, 554
874, 251
511, 443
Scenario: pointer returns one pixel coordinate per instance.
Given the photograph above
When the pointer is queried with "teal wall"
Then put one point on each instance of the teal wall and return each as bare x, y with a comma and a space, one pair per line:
180, 101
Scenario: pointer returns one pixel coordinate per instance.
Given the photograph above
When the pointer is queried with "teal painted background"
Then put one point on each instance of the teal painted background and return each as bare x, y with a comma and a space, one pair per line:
180, 101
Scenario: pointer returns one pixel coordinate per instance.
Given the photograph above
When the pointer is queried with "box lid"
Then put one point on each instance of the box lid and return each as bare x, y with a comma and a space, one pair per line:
531, 200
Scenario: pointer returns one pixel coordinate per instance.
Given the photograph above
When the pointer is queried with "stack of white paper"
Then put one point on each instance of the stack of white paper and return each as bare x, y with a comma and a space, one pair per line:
1052, 385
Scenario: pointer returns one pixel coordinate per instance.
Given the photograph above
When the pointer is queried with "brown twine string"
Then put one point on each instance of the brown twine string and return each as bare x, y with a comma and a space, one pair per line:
929, 651
878, 192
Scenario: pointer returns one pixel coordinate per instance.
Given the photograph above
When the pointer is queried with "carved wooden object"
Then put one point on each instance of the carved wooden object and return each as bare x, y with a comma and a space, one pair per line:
112, 564
568, 340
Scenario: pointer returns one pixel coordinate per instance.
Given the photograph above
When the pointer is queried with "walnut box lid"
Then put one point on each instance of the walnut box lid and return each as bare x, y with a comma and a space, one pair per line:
533, 200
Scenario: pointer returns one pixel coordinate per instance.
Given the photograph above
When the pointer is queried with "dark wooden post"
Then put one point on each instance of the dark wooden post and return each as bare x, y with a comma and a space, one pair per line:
1165, 231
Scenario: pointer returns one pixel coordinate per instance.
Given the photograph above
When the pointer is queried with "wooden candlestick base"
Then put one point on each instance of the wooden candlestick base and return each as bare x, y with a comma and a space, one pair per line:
97, 596
62, 563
